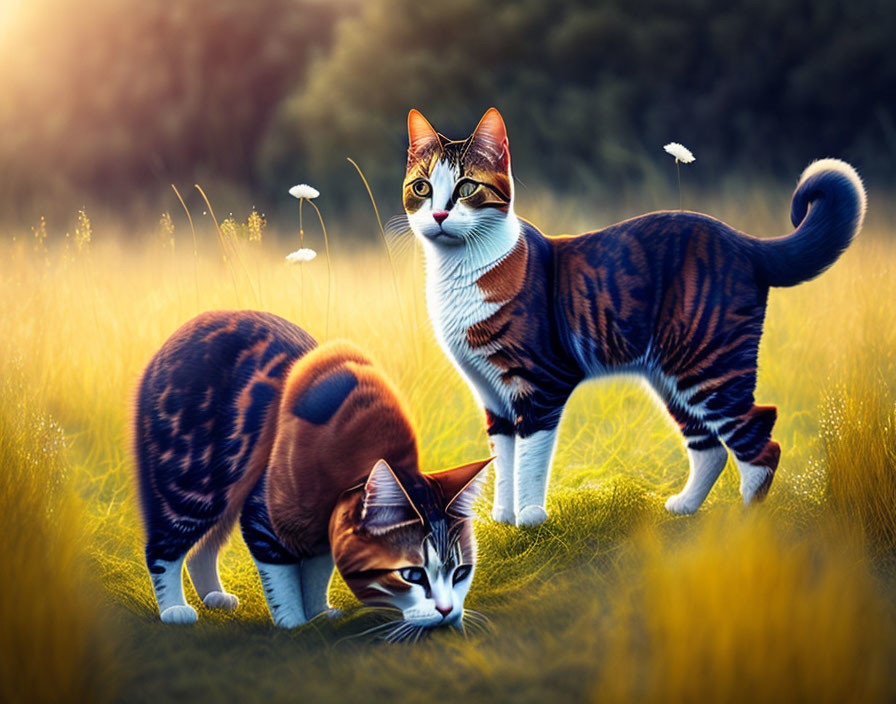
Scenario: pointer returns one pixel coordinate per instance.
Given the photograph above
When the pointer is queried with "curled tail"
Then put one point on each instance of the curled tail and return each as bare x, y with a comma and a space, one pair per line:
836, 195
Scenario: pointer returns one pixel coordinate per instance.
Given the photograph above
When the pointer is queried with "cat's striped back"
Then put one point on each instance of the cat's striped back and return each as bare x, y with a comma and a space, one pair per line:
202, 411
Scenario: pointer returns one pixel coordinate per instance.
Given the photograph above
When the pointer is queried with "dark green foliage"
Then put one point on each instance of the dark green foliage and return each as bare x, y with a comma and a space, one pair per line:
591, 92
113, 100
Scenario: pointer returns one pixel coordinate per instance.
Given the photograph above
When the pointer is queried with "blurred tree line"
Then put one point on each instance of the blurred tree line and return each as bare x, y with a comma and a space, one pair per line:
118, 101
112, 100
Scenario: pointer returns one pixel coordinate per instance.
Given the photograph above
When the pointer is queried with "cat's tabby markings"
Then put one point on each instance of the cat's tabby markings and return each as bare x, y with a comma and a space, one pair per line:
677, 297
240, 415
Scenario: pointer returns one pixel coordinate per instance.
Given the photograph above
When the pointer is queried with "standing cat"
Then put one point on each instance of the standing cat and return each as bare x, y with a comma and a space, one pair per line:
242, 415
678, 297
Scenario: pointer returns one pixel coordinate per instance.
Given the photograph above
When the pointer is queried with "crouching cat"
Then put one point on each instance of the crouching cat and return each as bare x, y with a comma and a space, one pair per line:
241, 416
677, 297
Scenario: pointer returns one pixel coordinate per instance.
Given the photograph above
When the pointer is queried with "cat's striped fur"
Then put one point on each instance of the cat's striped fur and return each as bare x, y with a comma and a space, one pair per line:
240, 415
677, 297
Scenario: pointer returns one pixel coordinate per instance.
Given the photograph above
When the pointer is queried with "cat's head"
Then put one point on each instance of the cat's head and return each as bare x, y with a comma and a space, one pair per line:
457, 192
409, 544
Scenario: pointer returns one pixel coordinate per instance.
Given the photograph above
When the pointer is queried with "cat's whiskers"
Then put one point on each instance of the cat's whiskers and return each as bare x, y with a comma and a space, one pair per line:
398, 227
369, 608
399, 235
369, 631
401, 632
477, 618
472, 628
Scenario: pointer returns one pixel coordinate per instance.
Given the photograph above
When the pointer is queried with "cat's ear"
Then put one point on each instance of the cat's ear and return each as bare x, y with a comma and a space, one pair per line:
461, 486
421, 134
490, 136
386, 504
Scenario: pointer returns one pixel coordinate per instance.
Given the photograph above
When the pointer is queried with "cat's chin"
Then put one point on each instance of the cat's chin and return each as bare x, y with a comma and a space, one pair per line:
433, 623
443, 238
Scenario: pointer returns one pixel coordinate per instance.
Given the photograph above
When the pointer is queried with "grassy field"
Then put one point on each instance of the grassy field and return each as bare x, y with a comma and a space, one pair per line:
610, 600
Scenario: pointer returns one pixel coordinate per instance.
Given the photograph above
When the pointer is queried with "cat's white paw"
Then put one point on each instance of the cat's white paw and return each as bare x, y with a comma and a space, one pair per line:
754, 481
503, 515
181, 615
531, 516
681, 505
289, 620
221, 600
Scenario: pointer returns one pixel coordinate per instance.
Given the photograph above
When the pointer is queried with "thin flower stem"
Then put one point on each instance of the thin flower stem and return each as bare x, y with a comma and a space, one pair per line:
195, 251
678, 169
301, 266
236, 252
220, 239
329, 267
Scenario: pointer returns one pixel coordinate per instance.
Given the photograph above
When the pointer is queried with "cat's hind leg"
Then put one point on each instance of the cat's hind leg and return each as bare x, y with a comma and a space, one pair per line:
716, 380
203, 568
165, 562
705, 468
745, 428
707, 458
757, 455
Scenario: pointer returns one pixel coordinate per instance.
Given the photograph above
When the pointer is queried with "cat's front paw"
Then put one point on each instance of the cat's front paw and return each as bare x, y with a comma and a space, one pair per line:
288, 620
502, 514
531, 516
221, 600
681, 505
180, 615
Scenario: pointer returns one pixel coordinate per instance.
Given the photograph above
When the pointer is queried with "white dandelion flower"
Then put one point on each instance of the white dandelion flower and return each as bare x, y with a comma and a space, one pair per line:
303, 190
680, 152
301, 255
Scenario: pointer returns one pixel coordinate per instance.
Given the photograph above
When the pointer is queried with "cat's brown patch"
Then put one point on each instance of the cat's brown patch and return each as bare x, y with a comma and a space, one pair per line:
312, 464
488, 331
504, 280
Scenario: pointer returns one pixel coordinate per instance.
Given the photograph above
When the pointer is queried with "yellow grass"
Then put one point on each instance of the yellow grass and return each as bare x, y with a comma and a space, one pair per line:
609, 599
51, 647
793, 620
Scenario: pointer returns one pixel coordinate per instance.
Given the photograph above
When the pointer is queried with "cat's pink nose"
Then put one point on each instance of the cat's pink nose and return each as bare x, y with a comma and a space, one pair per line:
439, 216
444, 610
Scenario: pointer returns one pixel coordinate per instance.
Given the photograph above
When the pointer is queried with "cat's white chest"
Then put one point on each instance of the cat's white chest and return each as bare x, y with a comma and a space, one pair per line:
454, 306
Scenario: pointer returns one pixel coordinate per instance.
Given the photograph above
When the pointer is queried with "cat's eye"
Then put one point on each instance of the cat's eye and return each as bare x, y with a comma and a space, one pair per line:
465, 189
461, 573
413, 575
421, 188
